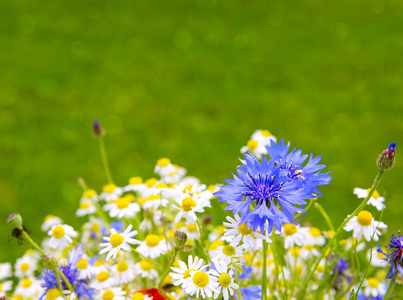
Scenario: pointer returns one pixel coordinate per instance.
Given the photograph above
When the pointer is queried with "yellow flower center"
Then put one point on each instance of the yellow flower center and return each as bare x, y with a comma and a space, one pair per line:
364, 218
108, 295
320, 269
315, 232
135, 180
82, 264
191, 227
265, 133
152, 240
96, 227
163, 162
116, 239
375, 194
58, 232
138, 296
98, 263
109, 188
331, 233
48, 217
216, 244
298, 269
252, 144
89, 193
248, 258
187, 273
24, 267
259, 263
187, 189
145, 265
84, 205
122, 203
220, 229
102, 276
179, 225
308, 247
161, 186
373, 282
211, 188
19, 297
201, 279
295, 251
122, 266
52, 294
26, 283
188, 204
243, 229
224, 280
290, 229
274, 271
228, 250
150, 182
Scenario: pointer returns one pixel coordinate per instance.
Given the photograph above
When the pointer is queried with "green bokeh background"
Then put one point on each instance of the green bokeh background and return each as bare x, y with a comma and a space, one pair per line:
192, 80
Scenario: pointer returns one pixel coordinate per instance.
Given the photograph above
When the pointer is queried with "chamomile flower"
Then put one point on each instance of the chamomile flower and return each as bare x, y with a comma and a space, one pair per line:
146, 269
60, 236
114, 293
5, 270
153, 246
89, 195
111, 192
135, 185
293, 236
192, 231
183, 272
123, 207
102, 280
364, 225
227, 254
5, 286
53, 294
155, 201
314, 236
86, 208
188, 206
124, 272
225, 280
378, 259
140, 296
257, 148
241, 233
374, 288
175, 176
264, 136
117, 241
25, 266
29, 287
50, 221
201, 283
308, 251
164, 167
376, 200
85, 269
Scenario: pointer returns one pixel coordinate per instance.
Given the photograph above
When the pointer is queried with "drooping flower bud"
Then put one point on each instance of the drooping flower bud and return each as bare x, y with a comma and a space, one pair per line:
180, 239
14, 221
386, 160
50, 262
98, 130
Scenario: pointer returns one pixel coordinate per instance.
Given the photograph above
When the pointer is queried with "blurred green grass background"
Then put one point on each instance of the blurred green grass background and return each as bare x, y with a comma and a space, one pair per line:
192, 80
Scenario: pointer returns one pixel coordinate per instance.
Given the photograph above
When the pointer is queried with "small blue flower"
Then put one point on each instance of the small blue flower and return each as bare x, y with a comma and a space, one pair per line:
250, 293
273, 190
395, 258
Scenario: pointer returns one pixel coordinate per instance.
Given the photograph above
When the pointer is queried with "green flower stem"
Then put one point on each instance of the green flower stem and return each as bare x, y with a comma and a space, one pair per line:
237, 282
59, 285
166, 272
66, 281
264, 271
324, 215
105, 160
339, 230
201, 245
31, 241
145, 258
389, 291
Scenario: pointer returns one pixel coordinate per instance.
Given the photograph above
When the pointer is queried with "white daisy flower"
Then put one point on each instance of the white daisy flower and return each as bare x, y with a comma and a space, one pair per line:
111, 192
283, 272
29, 287
86, 208
85, 270
293, 256
5, 286
60, 236
188, 206
89, 195
364, 225
164, 167
192, 231
124, 272
54, 294
99, 266
264, 136
5, 270
314, 236
257, 148
145, 269
135, 185
189, 181
200, 283
352, 242
50, 221
293, 236
102, 280
227, 254
183, 272
122, 207
308, 251
375, 200
378, 259
25, 266
153, 246
154, 202
117, 241
175, 176
213, 247
225, 280
140, 296
374, 288
241, 233
114, 293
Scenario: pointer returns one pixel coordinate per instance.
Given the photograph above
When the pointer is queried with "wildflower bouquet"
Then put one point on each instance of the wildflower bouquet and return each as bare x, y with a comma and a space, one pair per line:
155, 239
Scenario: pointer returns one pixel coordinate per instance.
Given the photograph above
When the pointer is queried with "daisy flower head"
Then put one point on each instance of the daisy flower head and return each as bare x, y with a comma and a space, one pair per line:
111, 192
164, 167
25, 266
153, 246
227, 254
395, 258
378, 258
5, 270
140, 296
364, 225
86, 208
90, 195
293, 236
182, 272
114, 293
376, 200
201, 283
374, 288
117, 241
257, 148
50, 221
103, 280
5, 286
124, 272
175, 176
123, 207
188, 206
135, 185
225, 277
273, 190
146, 269
60, 236
314, 236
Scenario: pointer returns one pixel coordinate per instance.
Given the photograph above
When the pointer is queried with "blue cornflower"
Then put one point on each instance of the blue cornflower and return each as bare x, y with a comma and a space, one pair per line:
250, 293
273, 190
395, 258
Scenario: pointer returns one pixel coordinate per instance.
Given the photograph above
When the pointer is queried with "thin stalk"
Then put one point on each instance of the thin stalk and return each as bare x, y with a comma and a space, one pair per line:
105, 160
324, 215
237, 282
66, 281
339, 230
389, 290
59, 285
145, 258
166, 272
31, 241
264, 271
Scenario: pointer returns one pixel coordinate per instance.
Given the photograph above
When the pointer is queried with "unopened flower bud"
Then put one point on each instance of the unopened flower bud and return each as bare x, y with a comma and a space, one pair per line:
98, 130
386, 160
207, 220
50, 262
180, 239
14, 221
